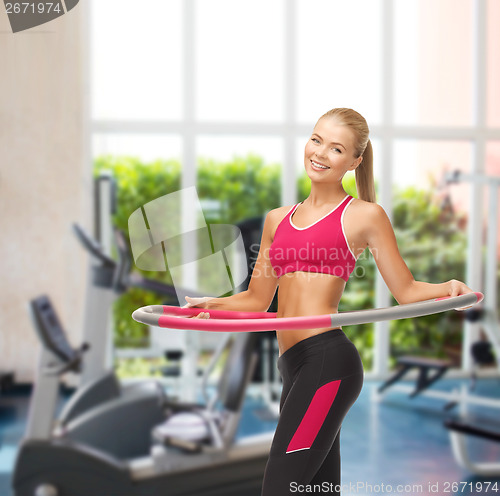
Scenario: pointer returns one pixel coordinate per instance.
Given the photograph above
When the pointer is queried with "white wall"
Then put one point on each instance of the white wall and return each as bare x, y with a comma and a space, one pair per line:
44, 181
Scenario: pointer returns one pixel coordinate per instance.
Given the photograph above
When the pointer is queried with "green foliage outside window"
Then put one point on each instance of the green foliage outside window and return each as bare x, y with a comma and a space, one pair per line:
431, 241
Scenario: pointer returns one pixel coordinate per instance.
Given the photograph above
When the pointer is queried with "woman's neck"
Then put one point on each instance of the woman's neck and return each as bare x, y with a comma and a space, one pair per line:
324, 194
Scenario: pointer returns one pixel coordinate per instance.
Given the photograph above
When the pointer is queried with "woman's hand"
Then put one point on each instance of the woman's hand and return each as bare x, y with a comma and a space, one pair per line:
458, 288
198, 303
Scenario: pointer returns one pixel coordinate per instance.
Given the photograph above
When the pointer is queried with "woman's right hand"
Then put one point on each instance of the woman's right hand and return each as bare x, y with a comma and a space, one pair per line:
198, 303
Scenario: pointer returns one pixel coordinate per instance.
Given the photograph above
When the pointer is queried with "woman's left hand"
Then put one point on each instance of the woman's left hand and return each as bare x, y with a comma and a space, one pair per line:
458, 288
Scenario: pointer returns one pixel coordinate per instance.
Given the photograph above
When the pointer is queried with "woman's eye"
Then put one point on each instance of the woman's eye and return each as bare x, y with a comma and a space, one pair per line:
315, 140
336, 150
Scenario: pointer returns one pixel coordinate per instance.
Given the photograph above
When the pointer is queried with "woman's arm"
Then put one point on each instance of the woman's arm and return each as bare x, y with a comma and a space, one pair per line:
263, 283
381, 241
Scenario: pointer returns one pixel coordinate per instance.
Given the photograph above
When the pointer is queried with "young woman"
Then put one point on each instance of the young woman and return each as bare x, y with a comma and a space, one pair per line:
309, 251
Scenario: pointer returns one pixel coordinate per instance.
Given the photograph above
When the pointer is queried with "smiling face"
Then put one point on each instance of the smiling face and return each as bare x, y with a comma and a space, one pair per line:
330, 152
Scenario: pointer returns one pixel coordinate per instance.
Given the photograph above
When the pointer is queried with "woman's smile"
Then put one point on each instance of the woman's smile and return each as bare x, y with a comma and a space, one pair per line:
318, 166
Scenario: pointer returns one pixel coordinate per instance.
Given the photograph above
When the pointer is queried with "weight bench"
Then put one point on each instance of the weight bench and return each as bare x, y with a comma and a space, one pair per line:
425, 366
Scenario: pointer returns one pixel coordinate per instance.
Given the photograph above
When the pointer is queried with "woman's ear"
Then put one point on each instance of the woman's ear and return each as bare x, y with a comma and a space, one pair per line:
356, 163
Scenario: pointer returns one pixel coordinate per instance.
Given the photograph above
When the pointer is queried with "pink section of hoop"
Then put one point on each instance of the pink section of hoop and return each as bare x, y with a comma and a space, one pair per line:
217, 314
224, 320
479, 296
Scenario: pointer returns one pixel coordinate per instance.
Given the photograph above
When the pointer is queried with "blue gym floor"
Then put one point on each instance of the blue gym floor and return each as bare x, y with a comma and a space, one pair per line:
396, 442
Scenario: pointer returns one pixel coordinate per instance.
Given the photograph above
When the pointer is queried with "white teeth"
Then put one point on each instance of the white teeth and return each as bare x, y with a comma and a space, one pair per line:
319, 165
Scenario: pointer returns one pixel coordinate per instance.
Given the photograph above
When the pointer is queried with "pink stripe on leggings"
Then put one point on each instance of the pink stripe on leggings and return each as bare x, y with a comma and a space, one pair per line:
314, 417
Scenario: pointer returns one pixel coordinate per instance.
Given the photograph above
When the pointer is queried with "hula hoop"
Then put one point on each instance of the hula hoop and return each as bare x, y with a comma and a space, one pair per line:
231, 321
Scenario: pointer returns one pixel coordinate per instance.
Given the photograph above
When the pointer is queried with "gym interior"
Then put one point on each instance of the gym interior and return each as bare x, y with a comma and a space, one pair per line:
113, 105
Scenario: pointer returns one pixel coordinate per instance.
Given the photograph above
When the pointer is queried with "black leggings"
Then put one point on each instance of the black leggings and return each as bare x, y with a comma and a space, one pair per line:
322, 378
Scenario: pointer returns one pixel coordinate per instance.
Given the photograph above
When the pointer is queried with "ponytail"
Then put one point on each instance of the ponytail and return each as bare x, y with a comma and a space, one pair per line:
365, 183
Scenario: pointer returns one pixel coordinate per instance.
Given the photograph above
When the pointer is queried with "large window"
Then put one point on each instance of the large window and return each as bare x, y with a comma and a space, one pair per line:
217, 79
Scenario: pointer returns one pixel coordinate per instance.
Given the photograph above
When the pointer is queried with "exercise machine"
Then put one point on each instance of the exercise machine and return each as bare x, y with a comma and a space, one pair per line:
94, 412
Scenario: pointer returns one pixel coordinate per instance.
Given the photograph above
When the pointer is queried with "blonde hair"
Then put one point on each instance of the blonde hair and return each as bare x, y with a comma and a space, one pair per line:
365, 183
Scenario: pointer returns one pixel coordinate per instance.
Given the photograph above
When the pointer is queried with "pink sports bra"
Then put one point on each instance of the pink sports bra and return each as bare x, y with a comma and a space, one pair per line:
321, 247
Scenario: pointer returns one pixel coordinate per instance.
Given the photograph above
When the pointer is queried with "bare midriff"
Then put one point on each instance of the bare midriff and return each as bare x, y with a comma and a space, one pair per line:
302, 294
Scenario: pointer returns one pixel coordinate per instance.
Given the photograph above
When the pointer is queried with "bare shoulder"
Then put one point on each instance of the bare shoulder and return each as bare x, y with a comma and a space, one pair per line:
367, 217
370, 212
275, 216
280, 212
